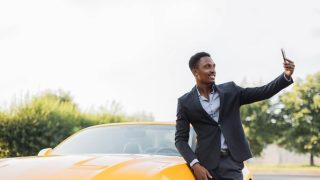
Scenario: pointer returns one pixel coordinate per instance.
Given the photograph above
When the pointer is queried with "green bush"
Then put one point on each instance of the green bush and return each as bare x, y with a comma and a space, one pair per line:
44, 121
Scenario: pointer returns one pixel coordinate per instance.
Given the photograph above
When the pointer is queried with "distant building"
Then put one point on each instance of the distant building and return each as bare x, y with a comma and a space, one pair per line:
274, 154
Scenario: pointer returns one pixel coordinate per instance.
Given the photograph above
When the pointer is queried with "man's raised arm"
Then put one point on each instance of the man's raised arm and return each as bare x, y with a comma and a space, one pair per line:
250, 95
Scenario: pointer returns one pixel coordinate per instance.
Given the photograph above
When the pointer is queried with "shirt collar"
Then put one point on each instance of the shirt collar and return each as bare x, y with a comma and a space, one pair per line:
212, 92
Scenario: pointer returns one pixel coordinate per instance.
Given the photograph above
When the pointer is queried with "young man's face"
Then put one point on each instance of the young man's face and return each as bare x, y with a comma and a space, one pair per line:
205, 70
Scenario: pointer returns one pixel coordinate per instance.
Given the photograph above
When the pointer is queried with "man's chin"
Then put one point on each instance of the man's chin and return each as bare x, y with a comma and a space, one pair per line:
211, 82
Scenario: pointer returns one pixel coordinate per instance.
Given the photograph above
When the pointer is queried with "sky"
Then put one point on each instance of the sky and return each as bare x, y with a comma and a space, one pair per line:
136, 52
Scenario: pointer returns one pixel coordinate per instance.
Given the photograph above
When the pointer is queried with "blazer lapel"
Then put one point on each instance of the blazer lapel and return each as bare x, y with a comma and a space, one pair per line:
198, 106
221, 95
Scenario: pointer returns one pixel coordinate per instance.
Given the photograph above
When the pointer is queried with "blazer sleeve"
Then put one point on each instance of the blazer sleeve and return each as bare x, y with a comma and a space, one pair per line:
250, 95
182, 135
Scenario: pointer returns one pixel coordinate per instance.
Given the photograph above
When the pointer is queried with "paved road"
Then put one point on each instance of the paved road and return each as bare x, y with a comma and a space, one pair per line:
285, 177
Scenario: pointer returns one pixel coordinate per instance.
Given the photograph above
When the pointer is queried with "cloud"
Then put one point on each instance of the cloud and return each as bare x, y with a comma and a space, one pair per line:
317, 10
316, 33
9, 31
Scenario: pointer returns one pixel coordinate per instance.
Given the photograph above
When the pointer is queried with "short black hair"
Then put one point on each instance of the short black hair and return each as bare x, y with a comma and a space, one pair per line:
196, 58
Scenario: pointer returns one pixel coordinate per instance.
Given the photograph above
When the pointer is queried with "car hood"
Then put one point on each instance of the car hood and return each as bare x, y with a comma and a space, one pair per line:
93, 167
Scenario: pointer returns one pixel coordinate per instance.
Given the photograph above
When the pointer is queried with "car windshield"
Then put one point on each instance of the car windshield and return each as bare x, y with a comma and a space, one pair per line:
124, 139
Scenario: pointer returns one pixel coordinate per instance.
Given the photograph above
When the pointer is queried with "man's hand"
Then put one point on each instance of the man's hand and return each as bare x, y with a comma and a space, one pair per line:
288, 68
200, 172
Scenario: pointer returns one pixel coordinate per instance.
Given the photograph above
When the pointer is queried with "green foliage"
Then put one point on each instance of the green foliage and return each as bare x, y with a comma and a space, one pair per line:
301, 113
44, 121
259, 125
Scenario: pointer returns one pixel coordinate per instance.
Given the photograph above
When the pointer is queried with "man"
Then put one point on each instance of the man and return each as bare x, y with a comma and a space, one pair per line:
214, 112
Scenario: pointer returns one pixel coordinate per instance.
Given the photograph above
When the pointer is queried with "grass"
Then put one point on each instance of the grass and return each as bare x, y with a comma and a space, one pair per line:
287, 168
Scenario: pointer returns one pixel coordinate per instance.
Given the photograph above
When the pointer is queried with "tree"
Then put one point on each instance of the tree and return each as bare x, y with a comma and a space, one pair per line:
259, 125
301, 113
42, 122
46, 119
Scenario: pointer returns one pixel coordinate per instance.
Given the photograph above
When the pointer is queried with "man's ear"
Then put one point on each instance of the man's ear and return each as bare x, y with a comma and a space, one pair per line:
194, 72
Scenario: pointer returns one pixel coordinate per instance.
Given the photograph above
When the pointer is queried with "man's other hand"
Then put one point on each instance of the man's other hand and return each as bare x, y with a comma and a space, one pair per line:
288, 68
200, 172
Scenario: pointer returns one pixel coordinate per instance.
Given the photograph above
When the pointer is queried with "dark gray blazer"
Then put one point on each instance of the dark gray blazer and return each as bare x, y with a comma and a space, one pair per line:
208, 131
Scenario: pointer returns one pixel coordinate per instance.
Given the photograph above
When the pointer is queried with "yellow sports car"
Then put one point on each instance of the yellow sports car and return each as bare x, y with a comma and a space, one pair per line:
120, 151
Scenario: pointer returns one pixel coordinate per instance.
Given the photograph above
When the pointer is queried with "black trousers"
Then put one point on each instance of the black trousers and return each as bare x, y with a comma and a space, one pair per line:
228, 169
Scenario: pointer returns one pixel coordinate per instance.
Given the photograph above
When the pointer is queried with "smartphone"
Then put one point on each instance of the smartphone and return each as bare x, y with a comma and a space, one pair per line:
283, 55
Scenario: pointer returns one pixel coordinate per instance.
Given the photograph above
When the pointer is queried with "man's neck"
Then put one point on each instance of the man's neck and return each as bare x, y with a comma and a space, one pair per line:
204, 89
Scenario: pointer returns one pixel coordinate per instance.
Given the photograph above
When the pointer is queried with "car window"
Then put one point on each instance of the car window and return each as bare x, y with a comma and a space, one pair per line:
127, 139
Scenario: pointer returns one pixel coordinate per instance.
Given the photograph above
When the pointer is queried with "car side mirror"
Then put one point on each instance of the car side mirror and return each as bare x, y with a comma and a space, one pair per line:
45, 152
